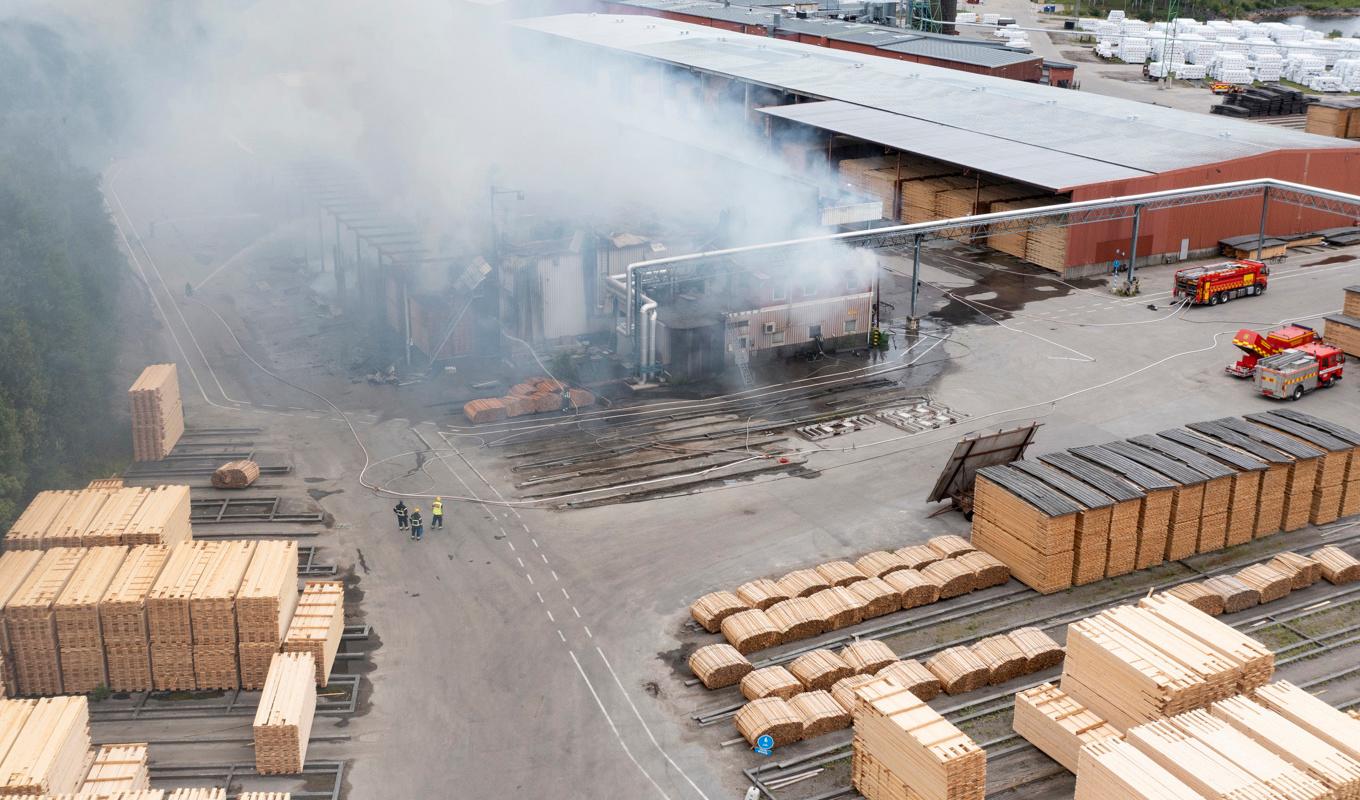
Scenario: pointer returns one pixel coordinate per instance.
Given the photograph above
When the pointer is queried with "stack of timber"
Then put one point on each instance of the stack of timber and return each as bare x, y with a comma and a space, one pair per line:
1125, 513
1013, 238
1187, 497
162, 519
14, 569
114, 482
212, 612
1236, 595
913, 587
749, 631
770, 716
761, 593
1338, 566
918, 556
27, 531
838, 607
959, 670
30, 622
905, 749
1269, 582
1303, 570
987, 569
157, 414
76, 515
1343, 330
711, 609
820, 713
122, 618
883, 176
1154, 521
879, 597
980, 200
952, 577
79, 637
796, 618
283, 722
318, 622
1337, 770
265, 603
168, 616
1271, 493
1041, 652
48, 745
1233, 748
1246, 481
880, 563
1138, 664
913, 676
867, 657
820, 669
1058, 725
918, 196
844, 691
1028, 526
1303, 472
198, 793
236, 474
109, 526
715, 665
1218, 487
1350, 497
117, 768
1200, 597
1330, 484
1004, 660
839, 573
98, 517
802, 583
1313, 715
950, 545
1091, 545
1114, 769
774, 681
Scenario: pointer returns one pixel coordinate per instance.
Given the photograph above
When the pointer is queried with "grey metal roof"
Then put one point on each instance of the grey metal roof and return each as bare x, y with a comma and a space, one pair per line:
1228, 436
1227, 455
1174, 470
1299, 430
1340, 432
1117, 137
1275, 439
1077, 490
1037, 494
968, 149
1090, 474
963, 52
1186, 455
1133, 471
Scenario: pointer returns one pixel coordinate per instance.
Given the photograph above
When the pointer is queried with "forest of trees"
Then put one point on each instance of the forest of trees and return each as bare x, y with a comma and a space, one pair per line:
60, 268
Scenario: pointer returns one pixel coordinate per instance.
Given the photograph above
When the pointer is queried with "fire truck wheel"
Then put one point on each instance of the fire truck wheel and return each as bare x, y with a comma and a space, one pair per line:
1213, 299
1255, 290
1298, 392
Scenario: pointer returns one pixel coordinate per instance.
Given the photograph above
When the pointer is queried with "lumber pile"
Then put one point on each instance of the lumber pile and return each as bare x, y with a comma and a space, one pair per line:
169, 616
318, 623
48, 745
879, 597
775, 681
918, 196
102, 517
1114, 768
1313, 715
1200, 597
534, 396
163, 518
749, 631
1303, 571
950, 545
1268, 581
715, 665
283, 722
917, 556
122, 618
820, 669
838, 607
1003, 659
1041, 652
839, 573
844, 691
711, 609
1059, 726
913, 587
880, 563
867, 656
1031, 528
1236, 595
1163, 657
265, 603
157, 414
802, 583
114, 482
1336, 770
903, 748
913, 676
760, 593
198, 793
770, 716
1329, 483
819, 713
987, 569
236, 474
796, 618
15, 567
1264, 768
967, 202
952, 577
79, 637
1008, 238
484, 410
958, 669
30, 622
1337, 565
1350, 498
109, 525
117, 768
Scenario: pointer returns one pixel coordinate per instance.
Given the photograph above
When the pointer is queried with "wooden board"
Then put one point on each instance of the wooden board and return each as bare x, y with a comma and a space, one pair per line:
117, 768
1116, 770
157, 412
1058, 725
1313, 715
318, 623
283, 721
715, 665
50, 754
1334, 768
122, 618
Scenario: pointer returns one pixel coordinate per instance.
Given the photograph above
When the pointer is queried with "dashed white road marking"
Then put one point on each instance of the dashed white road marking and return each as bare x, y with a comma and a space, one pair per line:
530, 577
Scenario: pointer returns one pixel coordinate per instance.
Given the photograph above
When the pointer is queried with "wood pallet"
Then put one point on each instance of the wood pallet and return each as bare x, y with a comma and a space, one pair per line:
318, 623
30, 622
913, 742
50, 753
283, 722
79, 636
117, 768
1058, 725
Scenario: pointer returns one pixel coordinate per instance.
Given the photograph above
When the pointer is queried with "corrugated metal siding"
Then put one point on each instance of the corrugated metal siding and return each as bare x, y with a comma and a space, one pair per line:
794, 320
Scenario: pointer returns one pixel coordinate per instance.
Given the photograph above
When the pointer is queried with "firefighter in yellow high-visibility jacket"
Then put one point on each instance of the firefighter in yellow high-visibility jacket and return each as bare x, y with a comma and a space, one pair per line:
878, 343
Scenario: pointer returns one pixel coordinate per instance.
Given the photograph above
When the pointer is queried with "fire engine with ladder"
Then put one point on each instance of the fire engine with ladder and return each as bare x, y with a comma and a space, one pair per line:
1218, 283
1292, 373
1258, 346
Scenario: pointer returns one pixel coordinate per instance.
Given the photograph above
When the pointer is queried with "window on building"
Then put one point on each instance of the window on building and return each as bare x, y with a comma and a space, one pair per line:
814, 331
809, 290
779, 292
743, 342
851, 326
743, 324
777, 337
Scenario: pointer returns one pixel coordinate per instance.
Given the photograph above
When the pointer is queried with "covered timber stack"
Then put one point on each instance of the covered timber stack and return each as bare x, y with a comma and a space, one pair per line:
157, 413
1343, 330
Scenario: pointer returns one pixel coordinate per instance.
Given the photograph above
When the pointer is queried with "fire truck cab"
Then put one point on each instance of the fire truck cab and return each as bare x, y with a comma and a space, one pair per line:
1296, 371
1218, 283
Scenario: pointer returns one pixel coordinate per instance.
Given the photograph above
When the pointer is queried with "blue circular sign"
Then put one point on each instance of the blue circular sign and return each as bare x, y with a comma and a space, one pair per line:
765, 742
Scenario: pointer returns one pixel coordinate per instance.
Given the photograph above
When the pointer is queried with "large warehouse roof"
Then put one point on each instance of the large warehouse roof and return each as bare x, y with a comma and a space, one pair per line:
1110, 138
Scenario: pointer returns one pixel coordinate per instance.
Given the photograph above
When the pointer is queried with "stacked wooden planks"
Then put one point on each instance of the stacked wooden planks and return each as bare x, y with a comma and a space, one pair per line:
1187, 498
236, 474
711, 609
1003, 658
844, 691
1246, 481
1009, 238
715, 665
283, 721
198, 793
903, 748
980, 200
1350, 497
109, 526
1236, 595
959, 670
1303, 570
918, 556
157, 414
1268, 581
1041, 652
75, 517
212, 612
27, 531
1271, 493
122, 618
839, 573
769, 716
1200, 597
102, 516
1337, 565
1059, 726
1028, 526
15, 567
1334, 767
117, 768
883, 176
774, 681
48, 746
1125, 513
918, 196
1313, 715
318, 623
760, 593
1138, 664
838, 607
168, 616
162, 519
820, 669
751, 630
914, 588
1154, 520
1330, 484
1116, 770
264, 606
1302, 475
1218, 487
913, 676
878, 595
867, 656
802, 583
953, 577
30, 622
1343, 330
79, 636
879, 563
796, 618
1228, 755
1091, 546
820, 713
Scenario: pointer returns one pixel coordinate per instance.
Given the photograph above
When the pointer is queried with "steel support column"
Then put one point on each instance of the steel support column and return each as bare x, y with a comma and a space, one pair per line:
913, 322
1265, 212
1133, 247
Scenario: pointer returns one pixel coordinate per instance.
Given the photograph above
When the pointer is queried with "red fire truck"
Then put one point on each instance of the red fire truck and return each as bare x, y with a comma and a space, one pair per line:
1258, 346
1219, 283
1288, 375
